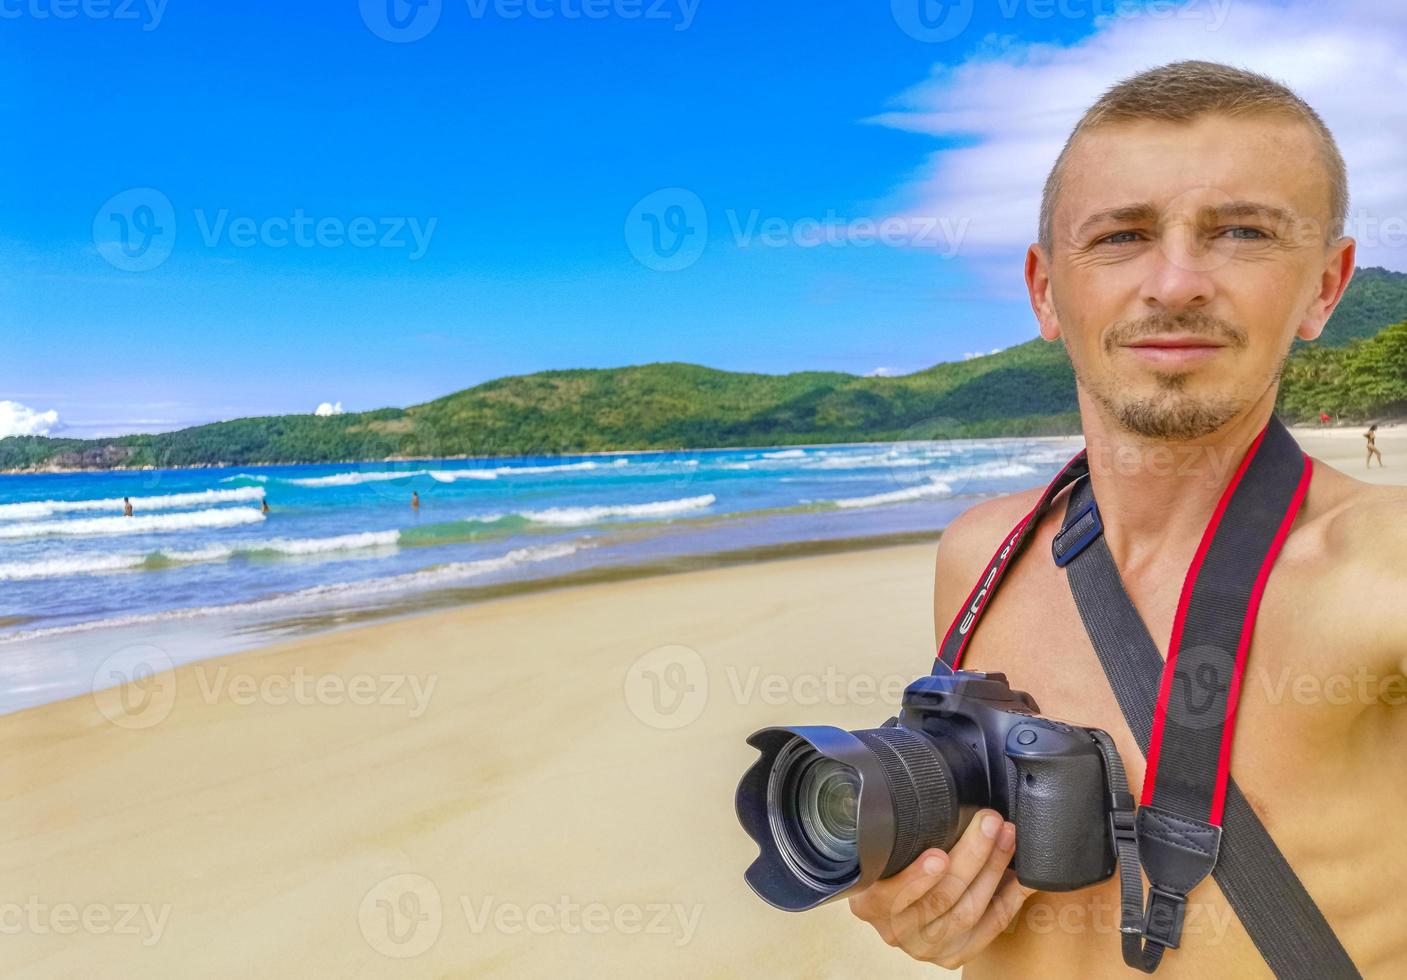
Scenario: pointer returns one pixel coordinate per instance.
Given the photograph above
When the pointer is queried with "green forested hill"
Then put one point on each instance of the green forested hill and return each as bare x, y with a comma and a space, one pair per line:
1026, 389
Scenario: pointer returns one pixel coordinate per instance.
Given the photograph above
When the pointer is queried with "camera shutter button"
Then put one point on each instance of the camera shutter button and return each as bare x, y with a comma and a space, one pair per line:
1026, 736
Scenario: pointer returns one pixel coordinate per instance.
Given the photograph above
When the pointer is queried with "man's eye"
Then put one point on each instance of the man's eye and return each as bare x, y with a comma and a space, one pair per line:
1253, 233
1118, 238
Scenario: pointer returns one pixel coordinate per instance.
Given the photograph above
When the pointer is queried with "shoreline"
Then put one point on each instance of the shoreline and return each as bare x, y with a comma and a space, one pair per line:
60, 471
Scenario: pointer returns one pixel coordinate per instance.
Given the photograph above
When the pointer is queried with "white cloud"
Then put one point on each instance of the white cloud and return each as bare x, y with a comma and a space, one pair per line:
882, 372
975, 354
329, 408
1012, 105
21, 420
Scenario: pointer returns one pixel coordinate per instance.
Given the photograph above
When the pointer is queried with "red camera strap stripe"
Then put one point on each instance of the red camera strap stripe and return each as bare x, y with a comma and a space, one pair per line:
954, 642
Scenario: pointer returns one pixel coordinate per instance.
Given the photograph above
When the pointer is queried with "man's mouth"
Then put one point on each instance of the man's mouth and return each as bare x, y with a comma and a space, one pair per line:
1167, 349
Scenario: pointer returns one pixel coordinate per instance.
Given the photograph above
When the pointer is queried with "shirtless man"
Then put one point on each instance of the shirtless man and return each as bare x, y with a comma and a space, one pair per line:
1182, 249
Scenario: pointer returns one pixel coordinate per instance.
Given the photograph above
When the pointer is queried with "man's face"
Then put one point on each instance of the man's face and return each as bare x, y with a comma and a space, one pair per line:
1186, 258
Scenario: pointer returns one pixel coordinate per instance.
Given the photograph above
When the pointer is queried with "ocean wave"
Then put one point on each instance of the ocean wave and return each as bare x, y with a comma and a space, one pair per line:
257, 477
439, 575
590, 515
936, 488
140, 524
785, 454
20, 571
33, 510
449, 476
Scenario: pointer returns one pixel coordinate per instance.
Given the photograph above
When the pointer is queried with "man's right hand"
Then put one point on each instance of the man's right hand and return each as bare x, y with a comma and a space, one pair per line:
946, 907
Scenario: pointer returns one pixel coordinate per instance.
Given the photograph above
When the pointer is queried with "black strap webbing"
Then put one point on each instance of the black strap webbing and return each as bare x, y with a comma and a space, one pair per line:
1268, 897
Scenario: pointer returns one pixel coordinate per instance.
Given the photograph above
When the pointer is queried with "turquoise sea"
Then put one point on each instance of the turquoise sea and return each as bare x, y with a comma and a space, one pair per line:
201, 570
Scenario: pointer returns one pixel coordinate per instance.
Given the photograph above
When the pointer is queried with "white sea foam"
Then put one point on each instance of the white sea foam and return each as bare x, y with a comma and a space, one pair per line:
61, 567
140, 524
936, 488
318, 546
785, 454
441, 575
450, 476
590, 515
34, 510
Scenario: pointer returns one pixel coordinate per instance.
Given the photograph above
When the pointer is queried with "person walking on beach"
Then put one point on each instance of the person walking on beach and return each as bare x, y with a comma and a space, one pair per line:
1370, 435
126, 506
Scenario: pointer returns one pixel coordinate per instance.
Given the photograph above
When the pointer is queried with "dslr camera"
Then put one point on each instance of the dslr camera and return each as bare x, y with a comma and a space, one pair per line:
832, 811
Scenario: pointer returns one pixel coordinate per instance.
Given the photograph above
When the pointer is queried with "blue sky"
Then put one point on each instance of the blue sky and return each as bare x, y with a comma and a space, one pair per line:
487, 192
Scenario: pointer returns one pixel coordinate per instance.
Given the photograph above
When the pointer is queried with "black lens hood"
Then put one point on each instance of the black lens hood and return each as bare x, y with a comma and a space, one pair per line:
776, 880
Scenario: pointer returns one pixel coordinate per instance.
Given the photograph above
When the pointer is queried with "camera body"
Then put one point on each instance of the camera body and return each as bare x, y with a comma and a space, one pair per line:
833, 811
1045, 776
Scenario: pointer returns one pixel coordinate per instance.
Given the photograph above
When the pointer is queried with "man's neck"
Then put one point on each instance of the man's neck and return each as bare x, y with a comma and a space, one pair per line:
1156, 496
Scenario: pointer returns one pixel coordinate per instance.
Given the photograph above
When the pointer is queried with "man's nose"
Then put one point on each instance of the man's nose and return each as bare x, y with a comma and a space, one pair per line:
1182, 275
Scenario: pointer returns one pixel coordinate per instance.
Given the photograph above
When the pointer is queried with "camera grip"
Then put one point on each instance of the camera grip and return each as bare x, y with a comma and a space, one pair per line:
1062, 824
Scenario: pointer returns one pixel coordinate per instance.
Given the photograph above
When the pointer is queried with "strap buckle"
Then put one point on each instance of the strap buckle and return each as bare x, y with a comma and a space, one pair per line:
1121, 819
1162, 920
1077, 534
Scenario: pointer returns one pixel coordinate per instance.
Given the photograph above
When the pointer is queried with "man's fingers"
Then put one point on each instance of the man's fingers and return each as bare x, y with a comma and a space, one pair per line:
1001, 912
903, 889
967, 910
926, 915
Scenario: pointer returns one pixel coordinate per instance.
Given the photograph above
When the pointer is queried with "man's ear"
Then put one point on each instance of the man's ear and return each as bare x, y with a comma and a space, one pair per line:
1332, 283
1038, 288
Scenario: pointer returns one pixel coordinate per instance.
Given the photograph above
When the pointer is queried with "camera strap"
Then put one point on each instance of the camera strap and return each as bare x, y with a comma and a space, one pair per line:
1182, 712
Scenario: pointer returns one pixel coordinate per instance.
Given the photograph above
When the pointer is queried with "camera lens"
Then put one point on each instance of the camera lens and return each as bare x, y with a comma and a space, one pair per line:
813, 805
829, 805
830, 809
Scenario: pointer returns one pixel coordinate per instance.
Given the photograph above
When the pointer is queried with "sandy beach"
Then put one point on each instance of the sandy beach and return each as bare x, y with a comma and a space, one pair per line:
533, 786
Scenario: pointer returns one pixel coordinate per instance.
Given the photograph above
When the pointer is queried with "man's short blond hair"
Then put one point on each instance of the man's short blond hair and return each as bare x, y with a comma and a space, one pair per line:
1183, 90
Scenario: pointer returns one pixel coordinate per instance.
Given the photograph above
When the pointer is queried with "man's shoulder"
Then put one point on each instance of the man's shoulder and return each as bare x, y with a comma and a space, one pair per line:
1358, 520
969, 542
974, 534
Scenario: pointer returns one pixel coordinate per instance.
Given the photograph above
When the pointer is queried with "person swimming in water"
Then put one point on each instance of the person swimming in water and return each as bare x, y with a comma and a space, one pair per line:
415, 500
264, 505
126, 506
1372, 446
